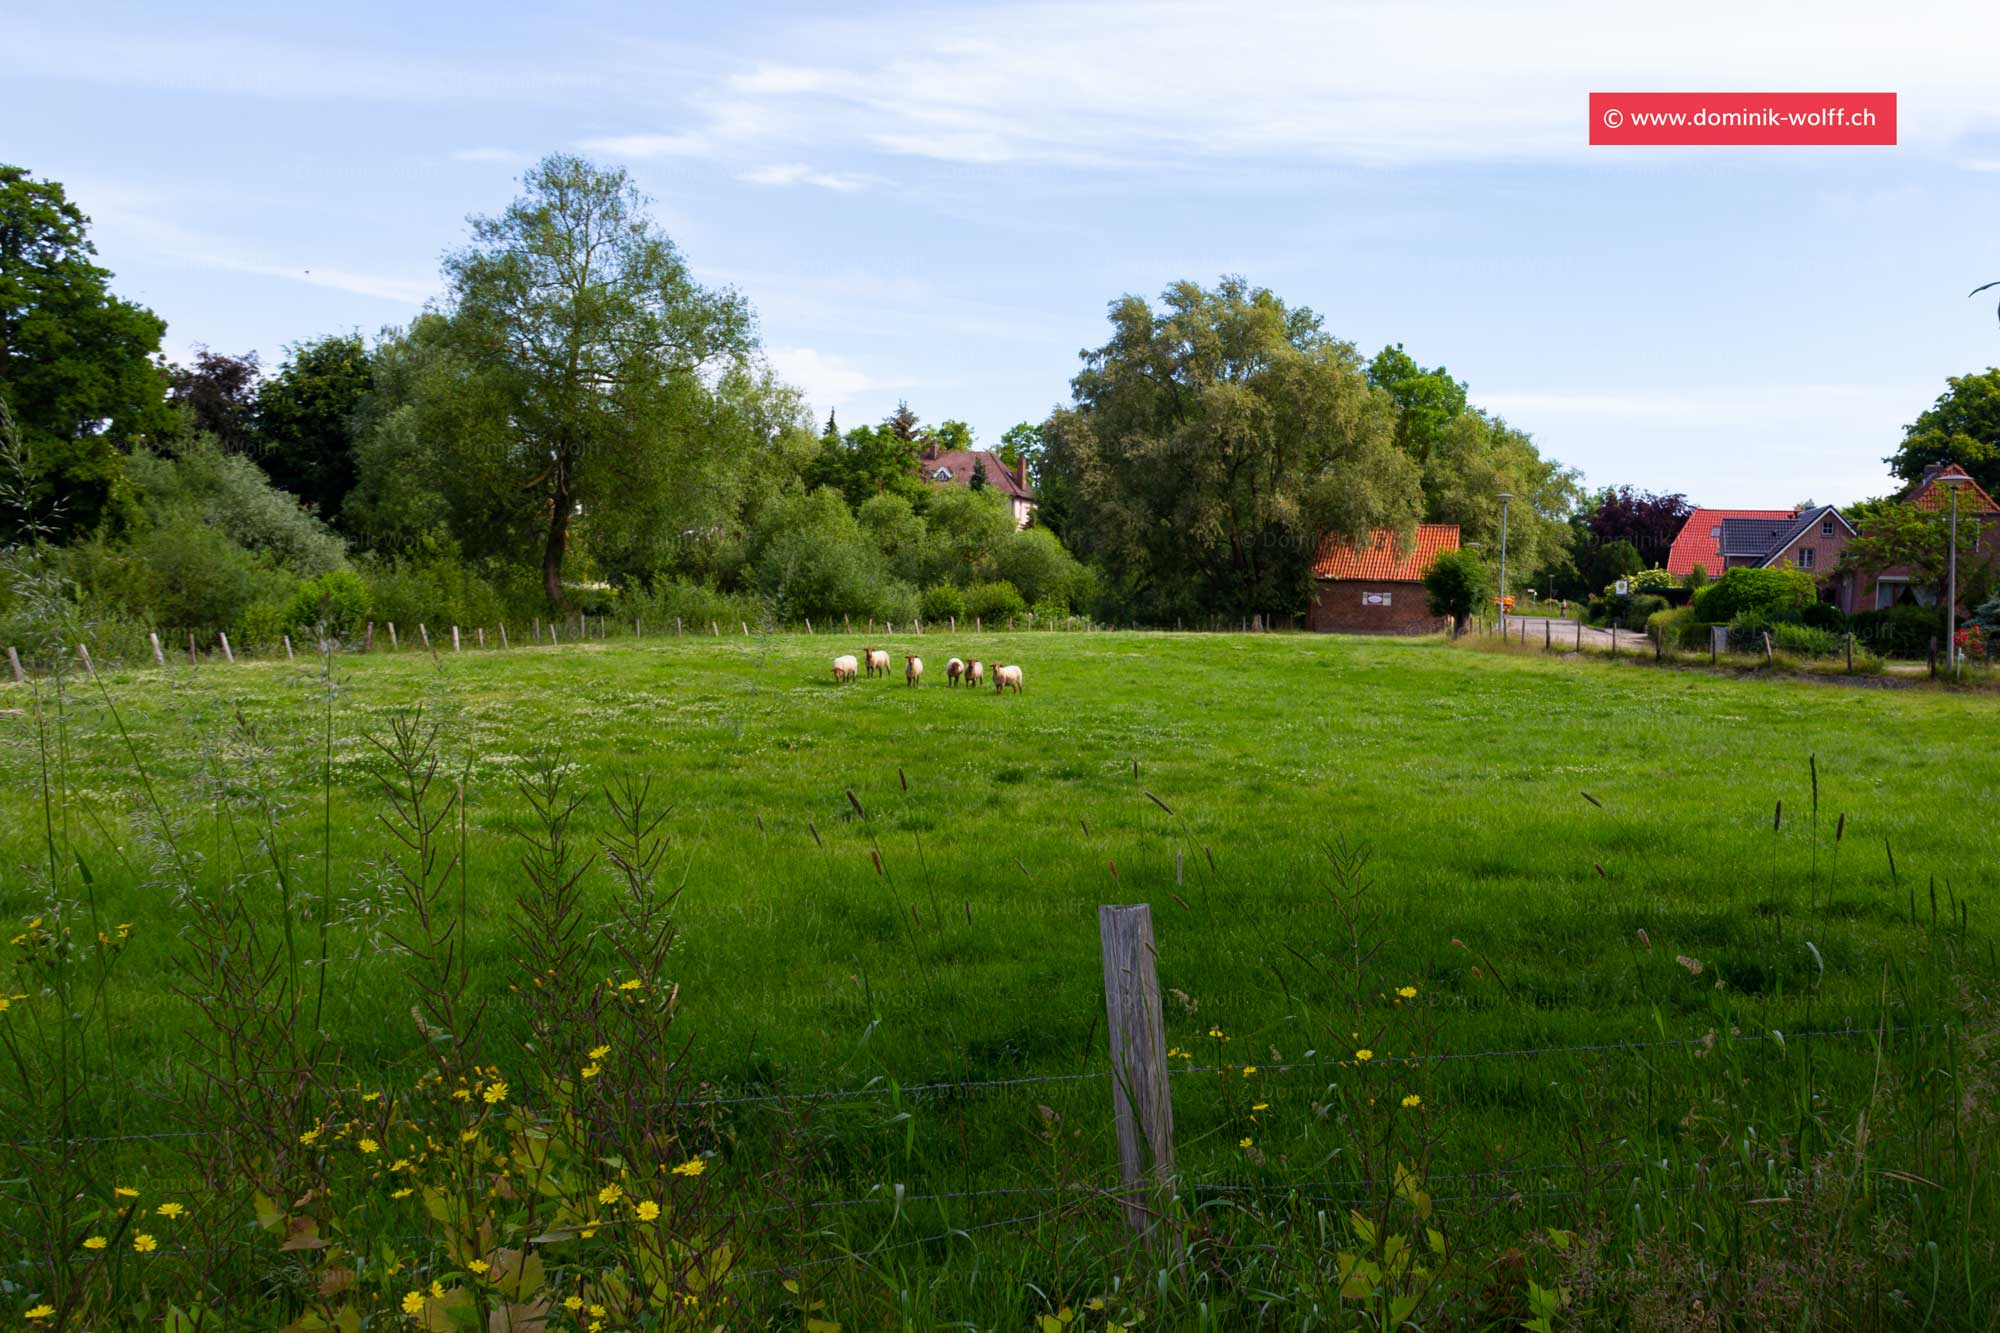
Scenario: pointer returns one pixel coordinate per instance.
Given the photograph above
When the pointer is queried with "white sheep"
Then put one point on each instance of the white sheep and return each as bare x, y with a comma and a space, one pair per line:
953, 671
913, 669
975, 673
1005, 676
845, 668
878, 661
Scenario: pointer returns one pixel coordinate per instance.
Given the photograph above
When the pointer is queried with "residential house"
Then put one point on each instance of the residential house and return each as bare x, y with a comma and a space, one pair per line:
1374, 587
1809, 540
957, 467
1902, 585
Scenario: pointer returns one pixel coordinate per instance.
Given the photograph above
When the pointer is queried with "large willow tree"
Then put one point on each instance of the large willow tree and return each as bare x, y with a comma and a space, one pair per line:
1213, 441
580, 317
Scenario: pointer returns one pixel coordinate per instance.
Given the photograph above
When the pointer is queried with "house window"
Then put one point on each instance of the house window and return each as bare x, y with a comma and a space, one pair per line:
1826, 528
942, 474
1808, 556
1715, 534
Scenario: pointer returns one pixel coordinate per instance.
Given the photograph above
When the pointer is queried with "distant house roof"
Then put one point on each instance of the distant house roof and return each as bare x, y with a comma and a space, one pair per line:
1378, 559
1927, 494
1752, 538
1699, 542
1807, 520
954, 467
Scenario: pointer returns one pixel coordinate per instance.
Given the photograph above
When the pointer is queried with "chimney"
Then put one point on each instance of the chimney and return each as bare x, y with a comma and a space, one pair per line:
1021, 471
930, 453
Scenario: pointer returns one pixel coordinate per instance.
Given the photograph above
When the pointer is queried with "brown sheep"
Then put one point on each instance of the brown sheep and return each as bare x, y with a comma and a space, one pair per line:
845, 668
878, 661
953, 671
975, 673
913, 669
1005, 676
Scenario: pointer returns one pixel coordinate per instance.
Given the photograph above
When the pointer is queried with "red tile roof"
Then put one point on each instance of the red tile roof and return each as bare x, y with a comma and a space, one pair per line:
1697, 544
1928, 494
961, 463
1379, 560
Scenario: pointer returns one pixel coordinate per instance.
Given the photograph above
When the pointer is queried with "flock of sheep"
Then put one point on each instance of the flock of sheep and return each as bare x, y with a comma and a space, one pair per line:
956, 672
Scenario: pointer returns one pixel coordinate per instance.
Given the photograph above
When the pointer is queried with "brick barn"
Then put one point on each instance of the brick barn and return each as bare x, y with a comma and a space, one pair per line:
1372, 588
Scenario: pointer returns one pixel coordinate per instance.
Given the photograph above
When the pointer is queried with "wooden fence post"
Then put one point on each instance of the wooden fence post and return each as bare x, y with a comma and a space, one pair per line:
1659, 641
368, 638
424, 633
1768, 660
288, 649
83, 652
1548, 634
503, 634
192, 659
1850, 650
454, 638
635, 627
1141, 1101
677, 627
809, 625
480, 634
14, 661
1931, 661
393, 645
954, 624
1714, 649
746, 627
1614, 638
538, 629
714, 630
1579, 633
227, 656
159, 658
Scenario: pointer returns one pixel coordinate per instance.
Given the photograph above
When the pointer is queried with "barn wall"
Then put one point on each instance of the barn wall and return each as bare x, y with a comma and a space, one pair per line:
1340, 606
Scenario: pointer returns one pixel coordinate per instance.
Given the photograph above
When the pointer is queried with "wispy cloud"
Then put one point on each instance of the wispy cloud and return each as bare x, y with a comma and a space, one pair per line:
643, 146
828, 380
797, 173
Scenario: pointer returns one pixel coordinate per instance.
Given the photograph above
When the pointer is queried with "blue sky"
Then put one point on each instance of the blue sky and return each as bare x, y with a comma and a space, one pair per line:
937, 202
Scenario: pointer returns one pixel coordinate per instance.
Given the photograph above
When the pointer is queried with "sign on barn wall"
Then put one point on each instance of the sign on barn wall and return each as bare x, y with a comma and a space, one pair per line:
1376, 598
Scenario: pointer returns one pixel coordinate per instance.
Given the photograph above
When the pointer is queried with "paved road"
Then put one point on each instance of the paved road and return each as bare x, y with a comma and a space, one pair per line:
1562, 634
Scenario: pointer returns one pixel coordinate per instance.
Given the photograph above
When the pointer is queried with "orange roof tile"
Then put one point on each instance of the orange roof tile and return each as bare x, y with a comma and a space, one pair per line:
1378, 557
1927, 494
1698, 542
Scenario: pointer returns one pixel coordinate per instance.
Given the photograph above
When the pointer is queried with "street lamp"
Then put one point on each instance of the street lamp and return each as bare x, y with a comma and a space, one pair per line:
1505, 496
1951, 579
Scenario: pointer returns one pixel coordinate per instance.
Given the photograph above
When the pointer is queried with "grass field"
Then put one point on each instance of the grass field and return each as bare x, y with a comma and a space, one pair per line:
899, 887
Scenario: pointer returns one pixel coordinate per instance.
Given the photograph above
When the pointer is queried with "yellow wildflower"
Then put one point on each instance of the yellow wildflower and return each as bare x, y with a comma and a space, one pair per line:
1412, 1101
413, 1303
592, 1070
125, 1192
631, 984
599, 1052
648, 1211
572, 1302
469, 1135
611, 1193
94, 1242
479, 1266
1248, 1070
311, 1136
369, 1146
496, 1094
1261, 1106
462, 1095
170, 1210
437, 1289
1245, 1141
144, 1243
42, 1311
693, 1166
1364, 1054
596, 1312
402, 1193
1407, 992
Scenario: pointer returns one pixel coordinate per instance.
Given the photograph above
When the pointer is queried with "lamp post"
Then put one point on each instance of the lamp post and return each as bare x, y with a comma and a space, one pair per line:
1505, 496
1951, 577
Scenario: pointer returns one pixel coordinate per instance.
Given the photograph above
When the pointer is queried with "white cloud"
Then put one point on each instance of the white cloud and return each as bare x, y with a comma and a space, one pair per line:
797, 173
1134, 83
641, 146
828, 381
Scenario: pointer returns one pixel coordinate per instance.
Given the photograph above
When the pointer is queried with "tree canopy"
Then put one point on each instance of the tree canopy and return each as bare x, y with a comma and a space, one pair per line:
1962, 427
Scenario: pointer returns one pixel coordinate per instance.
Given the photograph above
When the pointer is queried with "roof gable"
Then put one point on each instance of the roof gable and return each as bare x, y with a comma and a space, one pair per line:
957, 467
1808, 519
1927, 494
1698, 542
1377, 558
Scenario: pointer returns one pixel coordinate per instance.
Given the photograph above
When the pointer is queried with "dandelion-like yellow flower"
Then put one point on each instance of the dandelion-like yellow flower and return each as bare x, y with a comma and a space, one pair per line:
402, 1193
572, 1302
126, 1192
94, 1242
1245, 1142
599, 1052
369, 1146
649, 1211
170, 1210
1215, 1032
693, 1166
1407, 992
144, 1243
592, 1070
631, 983
1412, 1101
1261, 1106
480, 1266
469, 1135
595, 1312
1364, 1054
42, 1311
437, 1289
462, 1095
496, 1093
400, 1164
413, 1303
310, 1137
1248, 1070
611, 1193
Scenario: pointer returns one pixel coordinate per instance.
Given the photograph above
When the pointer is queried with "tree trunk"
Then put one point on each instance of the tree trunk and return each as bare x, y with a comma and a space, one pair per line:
552, 553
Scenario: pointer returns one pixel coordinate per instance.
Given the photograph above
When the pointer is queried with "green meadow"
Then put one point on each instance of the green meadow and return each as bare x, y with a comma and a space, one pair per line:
1657, 926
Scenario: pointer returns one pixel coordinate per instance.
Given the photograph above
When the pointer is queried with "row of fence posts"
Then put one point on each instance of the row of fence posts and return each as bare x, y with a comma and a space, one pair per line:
577, 627
1717, 641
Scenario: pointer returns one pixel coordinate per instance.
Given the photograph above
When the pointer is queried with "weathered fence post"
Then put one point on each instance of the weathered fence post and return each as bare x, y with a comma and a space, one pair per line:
635, 627
809, 625
159, 658
538, 629
1768, 659
1659, 641
714, 630
677, 627
83, 652
454, 638
1548, 634
14, 661
393, 645
368, 638
954, 624
1141, 1103
192, 659
1614, 638
1850, 650
1931, 660
424, 633
978, 627
480, 635
288, 648
1579, 633
503, 634
554, 637
227, 656
746, 627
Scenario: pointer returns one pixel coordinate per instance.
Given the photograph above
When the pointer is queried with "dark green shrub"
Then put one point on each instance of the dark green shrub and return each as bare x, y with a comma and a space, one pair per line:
1747, 631
1768, 592
994, 602
1823, 615
1900, 631
1805, 641
337, 601
942, 602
